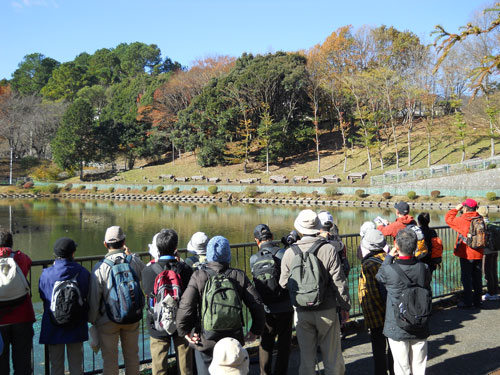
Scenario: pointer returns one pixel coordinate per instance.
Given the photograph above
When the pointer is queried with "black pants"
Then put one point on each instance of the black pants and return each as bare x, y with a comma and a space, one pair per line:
471, 275
203, 360
491, 272
382, 356
20, 338
280, 325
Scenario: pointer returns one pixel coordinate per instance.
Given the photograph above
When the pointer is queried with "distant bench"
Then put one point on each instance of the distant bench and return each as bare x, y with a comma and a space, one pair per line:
356, 176
320, 180
213, 179
297, 179
331, 178
181, 179
166, 176
249, 180
197, 178
278, 179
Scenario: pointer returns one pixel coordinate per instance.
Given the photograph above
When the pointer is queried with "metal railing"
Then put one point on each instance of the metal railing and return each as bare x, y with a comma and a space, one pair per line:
446, 281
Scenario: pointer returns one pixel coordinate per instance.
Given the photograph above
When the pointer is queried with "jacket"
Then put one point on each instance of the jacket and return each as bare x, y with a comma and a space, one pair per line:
188, 318
63, 269
392, 229
282, 305
149, 274
22, 313
99, 289
461, 225
338, 292
419, 273
371, 298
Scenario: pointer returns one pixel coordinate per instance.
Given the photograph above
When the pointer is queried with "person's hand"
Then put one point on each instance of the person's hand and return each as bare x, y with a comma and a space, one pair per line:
393, 251
459, 207
193, 338
250, 337
344, 315
127, 250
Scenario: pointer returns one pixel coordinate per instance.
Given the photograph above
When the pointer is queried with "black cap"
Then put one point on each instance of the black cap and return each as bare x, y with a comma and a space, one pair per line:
402, 207
65, 247
262, 232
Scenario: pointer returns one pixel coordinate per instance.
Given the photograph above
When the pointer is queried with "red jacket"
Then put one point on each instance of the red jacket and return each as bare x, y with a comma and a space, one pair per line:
461, 225
24, 312
392, 229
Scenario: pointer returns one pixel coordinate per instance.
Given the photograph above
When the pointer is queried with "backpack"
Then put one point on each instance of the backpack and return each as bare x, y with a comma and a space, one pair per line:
437, 250
477, 236
221, 306
167, 291
125, 300
413, 307
422, 250
13, 284
493, 237
308, 279
266, 274
67, 307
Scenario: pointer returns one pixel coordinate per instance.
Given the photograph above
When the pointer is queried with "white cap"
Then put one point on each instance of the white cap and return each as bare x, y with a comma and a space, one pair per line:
198, 244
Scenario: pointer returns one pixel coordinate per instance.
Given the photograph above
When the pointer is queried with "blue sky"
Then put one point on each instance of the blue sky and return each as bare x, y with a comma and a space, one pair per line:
189, 29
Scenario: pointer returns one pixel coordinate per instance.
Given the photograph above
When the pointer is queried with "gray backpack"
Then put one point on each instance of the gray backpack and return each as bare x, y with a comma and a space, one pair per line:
308, 279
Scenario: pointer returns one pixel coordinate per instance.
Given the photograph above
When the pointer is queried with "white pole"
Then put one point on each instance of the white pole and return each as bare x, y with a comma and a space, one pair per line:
10, 175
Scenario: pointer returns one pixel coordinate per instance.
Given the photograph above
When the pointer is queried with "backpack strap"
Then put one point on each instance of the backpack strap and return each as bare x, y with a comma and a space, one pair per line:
403, 275
315, 247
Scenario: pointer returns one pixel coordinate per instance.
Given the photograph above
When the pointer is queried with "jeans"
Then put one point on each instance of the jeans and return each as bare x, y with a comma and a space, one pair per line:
280, 325
20, 337
471, 276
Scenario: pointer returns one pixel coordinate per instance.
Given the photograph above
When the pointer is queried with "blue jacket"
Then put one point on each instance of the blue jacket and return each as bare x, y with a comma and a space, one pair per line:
63, 269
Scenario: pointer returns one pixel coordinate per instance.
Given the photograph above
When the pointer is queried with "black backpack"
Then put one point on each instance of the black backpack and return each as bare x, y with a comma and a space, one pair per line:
67, 305
266, 272
414, 304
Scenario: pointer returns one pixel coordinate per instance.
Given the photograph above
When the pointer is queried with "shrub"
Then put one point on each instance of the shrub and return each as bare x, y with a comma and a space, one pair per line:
144, 188
37, 191
213, 189
331, 191
251, 191
129, 188
386, 195
302, 194
491, 195
94, 189
411, 195
28, 185
435, 193
44, 172
360, 193
160, 189
68, 187
293, 193
194, 190
29, 162
111, 189
53, 189
315, 194
19, 183
176, 190
82, 187
492, 166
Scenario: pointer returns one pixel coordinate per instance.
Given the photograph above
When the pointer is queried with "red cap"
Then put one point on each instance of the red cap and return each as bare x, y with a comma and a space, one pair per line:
470, 203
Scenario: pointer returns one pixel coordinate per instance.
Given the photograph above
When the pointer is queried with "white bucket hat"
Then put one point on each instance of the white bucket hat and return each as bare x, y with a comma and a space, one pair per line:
307, 222
229, 358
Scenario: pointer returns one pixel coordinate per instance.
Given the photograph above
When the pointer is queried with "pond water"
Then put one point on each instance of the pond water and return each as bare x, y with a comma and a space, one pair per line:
37, 224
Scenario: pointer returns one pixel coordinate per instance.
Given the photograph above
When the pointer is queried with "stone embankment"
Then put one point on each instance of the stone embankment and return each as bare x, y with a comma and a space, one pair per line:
299, 201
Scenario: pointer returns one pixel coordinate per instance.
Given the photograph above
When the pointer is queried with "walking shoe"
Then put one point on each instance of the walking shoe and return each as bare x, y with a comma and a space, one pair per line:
491, 297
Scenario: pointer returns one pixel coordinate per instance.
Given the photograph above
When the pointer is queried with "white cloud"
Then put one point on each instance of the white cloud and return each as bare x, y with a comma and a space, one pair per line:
20, 4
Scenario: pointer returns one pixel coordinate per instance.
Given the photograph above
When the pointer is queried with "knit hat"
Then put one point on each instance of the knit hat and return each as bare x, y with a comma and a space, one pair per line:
402, 207
373, 240
64, 247
229, 358
218, 250
198, 244
262, 232
114, 234
483, 211
469, 203
365, 227
307, 222
326, 220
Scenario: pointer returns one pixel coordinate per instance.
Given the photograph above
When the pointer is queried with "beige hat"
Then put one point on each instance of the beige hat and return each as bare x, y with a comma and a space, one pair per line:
198, 244
483, 211
229, 358
114, 234
307, 222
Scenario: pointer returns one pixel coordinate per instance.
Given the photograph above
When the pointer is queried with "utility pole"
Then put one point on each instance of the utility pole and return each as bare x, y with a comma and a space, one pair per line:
10, 175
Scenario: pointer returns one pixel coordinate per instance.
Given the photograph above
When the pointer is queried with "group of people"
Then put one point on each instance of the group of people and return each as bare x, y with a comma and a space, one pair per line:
196, 304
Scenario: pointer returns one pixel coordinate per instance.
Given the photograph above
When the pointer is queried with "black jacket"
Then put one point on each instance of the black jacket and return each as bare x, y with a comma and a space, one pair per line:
149, 274
419, 273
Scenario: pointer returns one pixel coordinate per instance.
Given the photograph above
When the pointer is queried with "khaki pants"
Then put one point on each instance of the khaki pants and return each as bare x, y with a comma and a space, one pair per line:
410, 356
108, 339
159, 355
75, 358
319, 328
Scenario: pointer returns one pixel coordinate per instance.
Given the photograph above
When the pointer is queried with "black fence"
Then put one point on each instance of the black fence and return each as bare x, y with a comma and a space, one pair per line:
446, 281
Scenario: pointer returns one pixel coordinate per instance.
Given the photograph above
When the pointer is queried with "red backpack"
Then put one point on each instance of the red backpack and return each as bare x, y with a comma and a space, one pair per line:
165, 300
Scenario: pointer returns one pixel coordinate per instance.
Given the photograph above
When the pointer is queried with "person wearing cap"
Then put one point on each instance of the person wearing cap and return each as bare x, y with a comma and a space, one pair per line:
319, 326
470, 259
197, 245
362, 251
279, 311
402, 220
64, 339
490, 262
166, 242
108, 331
330, 232
16, 322
188, 319
230, 358
372, 298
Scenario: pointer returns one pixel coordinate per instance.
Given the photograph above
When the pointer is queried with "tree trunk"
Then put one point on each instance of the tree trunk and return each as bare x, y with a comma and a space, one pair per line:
409, 147
463, 150
368, 150
393, 127
492, 140
267, 159
81, 171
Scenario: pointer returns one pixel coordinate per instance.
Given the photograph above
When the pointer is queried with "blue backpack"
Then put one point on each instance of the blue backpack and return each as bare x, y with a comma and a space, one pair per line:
125, 300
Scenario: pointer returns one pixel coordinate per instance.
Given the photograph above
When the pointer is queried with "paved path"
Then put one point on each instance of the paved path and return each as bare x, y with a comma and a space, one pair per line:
462, 342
